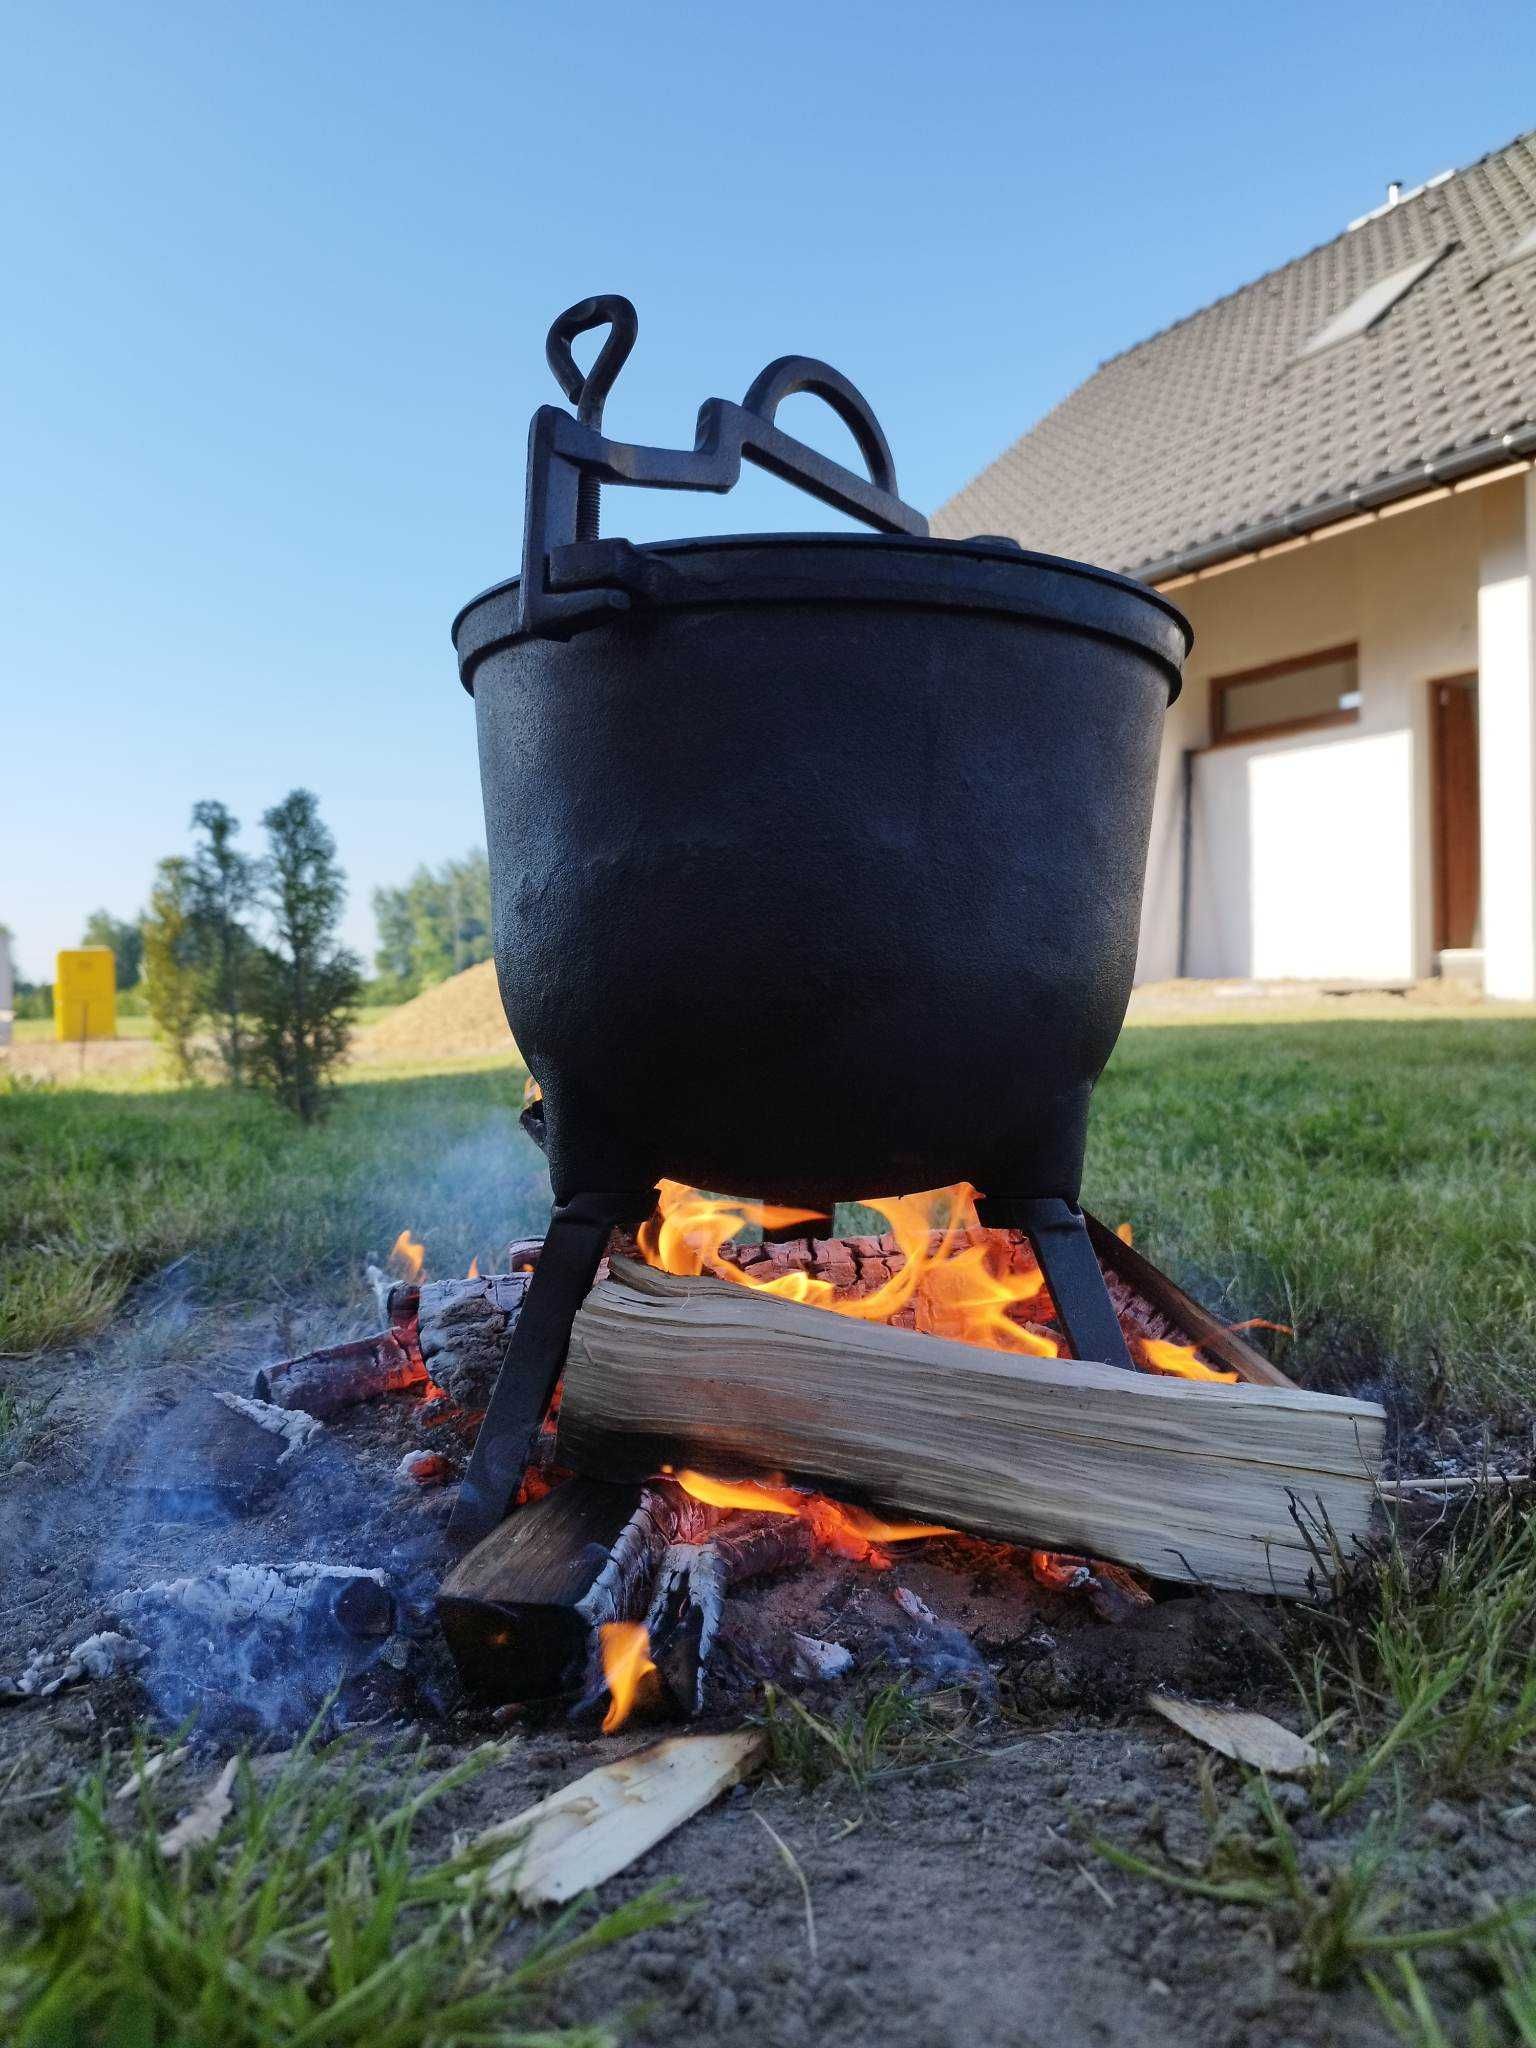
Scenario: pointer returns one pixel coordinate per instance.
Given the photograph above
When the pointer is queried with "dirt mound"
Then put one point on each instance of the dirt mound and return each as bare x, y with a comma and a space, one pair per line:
459, 1016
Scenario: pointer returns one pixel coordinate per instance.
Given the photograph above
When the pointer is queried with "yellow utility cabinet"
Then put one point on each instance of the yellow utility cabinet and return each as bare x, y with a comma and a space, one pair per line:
85, 993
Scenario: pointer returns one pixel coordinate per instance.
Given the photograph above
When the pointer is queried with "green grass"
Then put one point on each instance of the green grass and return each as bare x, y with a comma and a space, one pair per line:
859, 1742
1372, 1184
1440, 1651
99, 1188
314, 1918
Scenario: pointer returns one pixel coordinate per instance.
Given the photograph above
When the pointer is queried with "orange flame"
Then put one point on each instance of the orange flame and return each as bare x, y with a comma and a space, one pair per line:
1057, 1569
409, 1255
625, 1648
1182, 1360
474, 1268
837, 1525
956, 1288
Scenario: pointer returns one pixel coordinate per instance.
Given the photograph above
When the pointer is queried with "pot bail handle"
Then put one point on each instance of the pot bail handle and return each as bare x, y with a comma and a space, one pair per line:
589, 392
788, 374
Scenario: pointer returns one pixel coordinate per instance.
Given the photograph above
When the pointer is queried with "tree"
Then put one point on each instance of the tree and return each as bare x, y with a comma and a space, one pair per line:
172, 968
125, 937
223, 883
436, 924
306, 987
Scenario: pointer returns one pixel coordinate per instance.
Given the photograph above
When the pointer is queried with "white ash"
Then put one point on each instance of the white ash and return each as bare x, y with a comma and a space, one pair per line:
300, 1429
819, 1660
425, 1468
935, 1652
258, 1645
102, 1655
241, 1594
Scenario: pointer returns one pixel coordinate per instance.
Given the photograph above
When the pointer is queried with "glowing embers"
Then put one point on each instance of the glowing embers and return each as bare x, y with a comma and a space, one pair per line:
943, 1275
957, 1280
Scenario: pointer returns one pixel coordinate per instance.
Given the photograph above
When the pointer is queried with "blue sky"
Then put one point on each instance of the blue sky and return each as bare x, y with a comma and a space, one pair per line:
277, 279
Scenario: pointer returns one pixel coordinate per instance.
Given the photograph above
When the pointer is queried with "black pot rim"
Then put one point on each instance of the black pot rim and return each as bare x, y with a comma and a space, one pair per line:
988, 574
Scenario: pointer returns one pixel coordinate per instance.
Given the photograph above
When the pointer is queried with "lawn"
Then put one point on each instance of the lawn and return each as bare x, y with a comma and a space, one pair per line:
100, 1186
1373, 1184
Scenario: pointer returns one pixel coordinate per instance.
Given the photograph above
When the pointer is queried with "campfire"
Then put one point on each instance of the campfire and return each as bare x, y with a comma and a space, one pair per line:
665, 1558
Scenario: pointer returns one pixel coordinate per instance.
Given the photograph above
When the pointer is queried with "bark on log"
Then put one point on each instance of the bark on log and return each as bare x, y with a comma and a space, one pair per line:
1230, 1485
322, 1383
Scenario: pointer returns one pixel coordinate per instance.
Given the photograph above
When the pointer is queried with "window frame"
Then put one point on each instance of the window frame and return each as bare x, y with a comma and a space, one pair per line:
1312, 721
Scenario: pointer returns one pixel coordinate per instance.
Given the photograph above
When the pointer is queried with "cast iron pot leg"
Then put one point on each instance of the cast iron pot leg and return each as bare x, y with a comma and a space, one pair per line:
1071, 1268
535, 1356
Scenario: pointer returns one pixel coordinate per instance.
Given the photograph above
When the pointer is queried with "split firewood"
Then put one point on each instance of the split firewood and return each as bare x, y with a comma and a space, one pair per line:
522, 1611
1184, 1319
1229, 1485
592, 1829
1247, 1738
688, 1602
216, 1454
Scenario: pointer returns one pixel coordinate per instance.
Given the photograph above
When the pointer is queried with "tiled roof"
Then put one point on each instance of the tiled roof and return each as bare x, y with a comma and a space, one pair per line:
1218, 434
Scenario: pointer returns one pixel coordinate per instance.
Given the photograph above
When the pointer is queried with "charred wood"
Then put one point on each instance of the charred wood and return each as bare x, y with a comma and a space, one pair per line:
688, 1603
321, 1383
521, 1612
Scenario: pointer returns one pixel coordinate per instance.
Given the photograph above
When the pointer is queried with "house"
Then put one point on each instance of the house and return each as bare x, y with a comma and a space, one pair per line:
1330, 471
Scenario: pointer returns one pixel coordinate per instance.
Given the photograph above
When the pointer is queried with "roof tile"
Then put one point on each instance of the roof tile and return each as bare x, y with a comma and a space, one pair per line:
1219, 424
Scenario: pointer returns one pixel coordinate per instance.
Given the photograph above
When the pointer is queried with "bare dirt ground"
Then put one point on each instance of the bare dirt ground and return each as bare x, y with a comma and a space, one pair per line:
954, 1899
1238, 1001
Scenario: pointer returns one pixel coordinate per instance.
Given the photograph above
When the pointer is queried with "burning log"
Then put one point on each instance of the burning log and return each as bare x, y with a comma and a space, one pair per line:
462, 1327
448, 1333
523, 1610
1231, 1485
321, 1383
688, 1603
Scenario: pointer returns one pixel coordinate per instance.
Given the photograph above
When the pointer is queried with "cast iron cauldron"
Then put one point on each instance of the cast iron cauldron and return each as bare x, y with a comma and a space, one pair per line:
816, 860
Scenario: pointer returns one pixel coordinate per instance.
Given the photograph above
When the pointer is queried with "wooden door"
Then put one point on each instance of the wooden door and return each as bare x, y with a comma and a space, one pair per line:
1453, 769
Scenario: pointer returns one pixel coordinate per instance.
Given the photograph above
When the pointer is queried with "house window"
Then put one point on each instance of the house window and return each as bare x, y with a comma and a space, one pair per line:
1286, 696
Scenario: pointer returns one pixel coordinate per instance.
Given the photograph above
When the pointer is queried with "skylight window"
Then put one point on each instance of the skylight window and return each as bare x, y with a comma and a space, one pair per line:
1373, 303
1518, 251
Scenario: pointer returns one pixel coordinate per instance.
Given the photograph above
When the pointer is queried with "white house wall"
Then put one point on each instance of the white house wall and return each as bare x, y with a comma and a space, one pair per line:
1507, 750
1314, 852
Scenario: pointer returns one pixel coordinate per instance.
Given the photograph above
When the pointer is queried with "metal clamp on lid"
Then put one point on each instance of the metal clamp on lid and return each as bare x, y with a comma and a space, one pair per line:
569, 460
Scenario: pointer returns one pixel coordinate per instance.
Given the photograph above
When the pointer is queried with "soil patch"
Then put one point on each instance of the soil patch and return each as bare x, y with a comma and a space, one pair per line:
457, 1018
